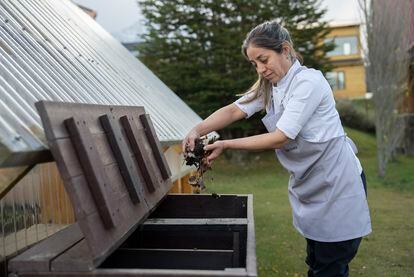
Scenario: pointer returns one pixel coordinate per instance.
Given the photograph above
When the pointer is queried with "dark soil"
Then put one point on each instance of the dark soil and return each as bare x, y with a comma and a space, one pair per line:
198, 158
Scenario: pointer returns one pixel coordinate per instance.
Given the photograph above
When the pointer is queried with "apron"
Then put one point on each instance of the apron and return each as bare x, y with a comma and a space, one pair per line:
326, 192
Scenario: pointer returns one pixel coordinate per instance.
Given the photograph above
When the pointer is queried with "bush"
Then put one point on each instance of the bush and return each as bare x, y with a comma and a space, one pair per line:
353, 115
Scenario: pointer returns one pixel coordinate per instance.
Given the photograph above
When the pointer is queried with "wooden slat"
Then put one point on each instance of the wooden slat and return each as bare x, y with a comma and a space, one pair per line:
236, 249
228, 272
122, 155
144, 272
38, 258
193, 227
136, 138
67, 160
200, 259
202, 206
11, 177
251, 264
188, 238
26, 159
54, 203
60, 110
196, 221
155, 145
92, 166
145, 161
76, 259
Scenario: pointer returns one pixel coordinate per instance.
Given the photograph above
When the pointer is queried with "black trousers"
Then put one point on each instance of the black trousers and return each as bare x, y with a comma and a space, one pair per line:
326, 259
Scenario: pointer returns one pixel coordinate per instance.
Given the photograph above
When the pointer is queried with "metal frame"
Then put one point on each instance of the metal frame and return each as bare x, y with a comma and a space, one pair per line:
51, 50
52, 263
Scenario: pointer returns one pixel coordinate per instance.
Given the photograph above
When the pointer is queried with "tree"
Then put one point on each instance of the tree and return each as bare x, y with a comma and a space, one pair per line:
194, 46
387, 30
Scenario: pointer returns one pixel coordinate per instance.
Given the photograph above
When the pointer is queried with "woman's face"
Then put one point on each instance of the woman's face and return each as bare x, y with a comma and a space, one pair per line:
268, 63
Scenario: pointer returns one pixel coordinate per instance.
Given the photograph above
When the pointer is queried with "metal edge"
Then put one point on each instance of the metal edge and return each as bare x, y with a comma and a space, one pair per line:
167, 272
251, 264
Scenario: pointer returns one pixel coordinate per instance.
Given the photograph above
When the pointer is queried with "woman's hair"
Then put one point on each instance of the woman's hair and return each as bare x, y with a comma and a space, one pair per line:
269, 35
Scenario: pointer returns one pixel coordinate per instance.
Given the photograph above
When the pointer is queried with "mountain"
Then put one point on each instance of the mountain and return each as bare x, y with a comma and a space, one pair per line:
130, 34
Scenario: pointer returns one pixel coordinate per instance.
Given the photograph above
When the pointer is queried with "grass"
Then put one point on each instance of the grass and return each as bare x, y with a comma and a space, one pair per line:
388, 251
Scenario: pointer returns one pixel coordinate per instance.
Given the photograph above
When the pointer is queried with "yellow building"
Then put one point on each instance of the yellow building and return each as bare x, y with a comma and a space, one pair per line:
347, 79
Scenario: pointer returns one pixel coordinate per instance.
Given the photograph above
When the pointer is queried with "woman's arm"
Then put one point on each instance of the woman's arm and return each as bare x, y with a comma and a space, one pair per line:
272, 140
216, 121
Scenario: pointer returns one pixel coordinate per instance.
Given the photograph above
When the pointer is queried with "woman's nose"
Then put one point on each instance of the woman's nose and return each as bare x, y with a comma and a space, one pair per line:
260, 68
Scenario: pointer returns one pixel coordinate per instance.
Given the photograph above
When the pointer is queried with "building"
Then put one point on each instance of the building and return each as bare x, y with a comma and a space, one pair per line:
348, 76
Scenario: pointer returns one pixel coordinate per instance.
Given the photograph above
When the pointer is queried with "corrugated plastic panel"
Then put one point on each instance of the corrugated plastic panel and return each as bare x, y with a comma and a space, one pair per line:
51, 50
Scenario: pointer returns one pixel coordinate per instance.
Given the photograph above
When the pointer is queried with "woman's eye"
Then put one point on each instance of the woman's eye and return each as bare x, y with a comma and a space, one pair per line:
264, 61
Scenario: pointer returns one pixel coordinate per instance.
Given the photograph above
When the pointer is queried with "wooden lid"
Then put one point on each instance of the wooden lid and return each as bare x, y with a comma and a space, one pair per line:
112, 166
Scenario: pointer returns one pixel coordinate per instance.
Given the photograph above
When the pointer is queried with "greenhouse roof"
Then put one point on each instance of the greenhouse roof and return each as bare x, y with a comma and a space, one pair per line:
52, 50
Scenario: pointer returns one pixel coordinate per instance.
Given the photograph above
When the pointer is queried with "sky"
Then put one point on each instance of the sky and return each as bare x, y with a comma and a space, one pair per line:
122, 16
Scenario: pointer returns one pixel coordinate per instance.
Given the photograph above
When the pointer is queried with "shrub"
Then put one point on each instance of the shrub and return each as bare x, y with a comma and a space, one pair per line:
353, 115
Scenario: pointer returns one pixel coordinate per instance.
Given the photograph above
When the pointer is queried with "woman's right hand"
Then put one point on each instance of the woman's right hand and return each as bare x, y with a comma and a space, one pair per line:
216, 121
189, 140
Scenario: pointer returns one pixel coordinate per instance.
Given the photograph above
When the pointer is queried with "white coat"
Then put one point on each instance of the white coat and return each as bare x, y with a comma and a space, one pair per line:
325, 188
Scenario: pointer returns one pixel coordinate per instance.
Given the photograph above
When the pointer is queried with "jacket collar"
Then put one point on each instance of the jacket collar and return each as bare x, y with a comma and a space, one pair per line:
288, 77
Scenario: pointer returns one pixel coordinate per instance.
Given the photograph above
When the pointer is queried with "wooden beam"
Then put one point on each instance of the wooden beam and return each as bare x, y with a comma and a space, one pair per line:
202, 206
196, 221
78, 258
155, 145
136, 139
201, 259
92, 166
39, 257
14, 180
251, 264
129, 174
187, 238
236, 249
27, 158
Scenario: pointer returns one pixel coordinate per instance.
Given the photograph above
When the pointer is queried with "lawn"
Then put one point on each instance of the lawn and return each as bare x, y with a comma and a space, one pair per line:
388, 251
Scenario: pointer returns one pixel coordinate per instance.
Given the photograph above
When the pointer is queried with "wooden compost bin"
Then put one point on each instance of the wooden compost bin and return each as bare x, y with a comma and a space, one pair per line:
117, 179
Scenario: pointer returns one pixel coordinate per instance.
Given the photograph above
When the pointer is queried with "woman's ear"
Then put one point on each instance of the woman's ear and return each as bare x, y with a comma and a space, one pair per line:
285, 49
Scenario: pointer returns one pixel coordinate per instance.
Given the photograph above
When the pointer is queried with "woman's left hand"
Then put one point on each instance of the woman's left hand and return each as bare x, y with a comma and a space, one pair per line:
216, 149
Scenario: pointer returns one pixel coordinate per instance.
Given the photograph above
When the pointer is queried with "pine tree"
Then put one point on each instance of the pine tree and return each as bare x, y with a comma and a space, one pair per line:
195, 46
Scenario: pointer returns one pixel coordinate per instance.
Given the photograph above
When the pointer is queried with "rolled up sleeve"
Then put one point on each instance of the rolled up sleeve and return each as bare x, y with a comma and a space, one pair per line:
303, 101
251, 107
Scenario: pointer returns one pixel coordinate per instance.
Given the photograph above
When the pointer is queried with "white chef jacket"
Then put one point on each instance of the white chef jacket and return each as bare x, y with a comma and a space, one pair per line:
331, 205
311, 115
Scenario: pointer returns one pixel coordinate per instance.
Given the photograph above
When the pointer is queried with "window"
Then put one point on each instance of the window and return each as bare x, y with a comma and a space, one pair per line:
336, 80
344, 46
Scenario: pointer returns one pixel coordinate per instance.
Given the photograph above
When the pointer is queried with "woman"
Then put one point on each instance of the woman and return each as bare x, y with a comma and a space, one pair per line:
326, 185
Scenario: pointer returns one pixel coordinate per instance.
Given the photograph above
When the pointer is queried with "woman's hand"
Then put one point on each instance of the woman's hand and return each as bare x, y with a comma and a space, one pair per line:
216, 149
216, 121
189, 140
